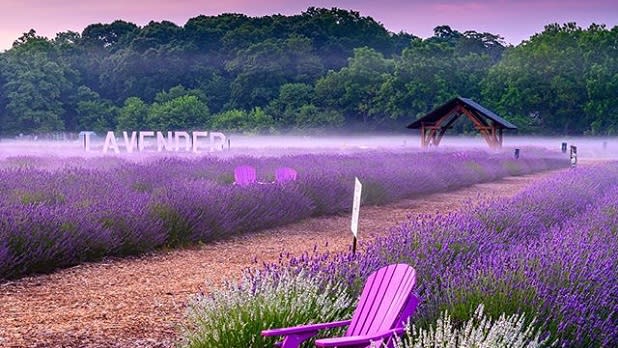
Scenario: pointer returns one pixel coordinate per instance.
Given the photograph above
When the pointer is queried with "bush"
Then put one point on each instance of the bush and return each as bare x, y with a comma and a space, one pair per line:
235, 315
480, 331
56, 214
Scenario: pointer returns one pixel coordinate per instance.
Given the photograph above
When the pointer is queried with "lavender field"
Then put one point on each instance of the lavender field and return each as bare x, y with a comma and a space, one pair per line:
58, 212
546, 257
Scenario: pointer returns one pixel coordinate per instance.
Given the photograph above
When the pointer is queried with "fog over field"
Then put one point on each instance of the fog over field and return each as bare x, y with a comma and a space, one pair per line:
588, 148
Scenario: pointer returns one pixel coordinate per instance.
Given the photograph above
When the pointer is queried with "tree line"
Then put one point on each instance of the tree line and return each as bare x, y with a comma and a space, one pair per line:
321, 69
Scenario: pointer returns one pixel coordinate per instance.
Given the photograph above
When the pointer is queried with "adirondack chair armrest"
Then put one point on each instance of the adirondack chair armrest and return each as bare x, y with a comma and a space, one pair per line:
305, 328
354, 341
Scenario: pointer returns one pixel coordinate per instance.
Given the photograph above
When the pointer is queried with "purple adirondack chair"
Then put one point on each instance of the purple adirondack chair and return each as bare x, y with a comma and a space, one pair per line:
385, 305
285, 174
244, 175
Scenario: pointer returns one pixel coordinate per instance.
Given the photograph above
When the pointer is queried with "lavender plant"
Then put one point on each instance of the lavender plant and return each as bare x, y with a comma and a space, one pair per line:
511, 331
234, 315
56, 215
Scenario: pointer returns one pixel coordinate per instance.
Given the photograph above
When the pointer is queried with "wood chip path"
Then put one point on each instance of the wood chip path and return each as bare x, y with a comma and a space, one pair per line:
140, 302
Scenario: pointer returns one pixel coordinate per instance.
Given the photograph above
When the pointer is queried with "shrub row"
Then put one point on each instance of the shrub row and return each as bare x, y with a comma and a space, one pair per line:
60, 214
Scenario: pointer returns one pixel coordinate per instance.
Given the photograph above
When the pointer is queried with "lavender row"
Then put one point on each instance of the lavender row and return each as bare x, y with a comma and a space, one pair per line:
549, 252
57, 218
567, 275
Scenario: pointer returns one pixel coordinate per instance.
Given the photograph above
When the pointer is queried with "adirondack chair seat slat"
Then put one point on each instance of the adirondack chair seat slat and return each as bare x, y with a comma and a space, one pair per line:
305, 328
356, 341
386, 302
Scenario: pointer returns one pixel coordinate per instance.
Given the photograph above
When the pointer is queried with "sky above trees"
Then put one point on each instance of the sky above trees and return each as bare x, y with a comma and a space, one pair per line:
515, 20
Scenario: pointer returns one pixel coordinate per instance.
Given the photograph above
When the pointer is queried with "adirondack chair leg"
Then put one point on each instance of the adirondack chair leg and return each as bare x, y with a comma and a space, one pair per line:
294, 341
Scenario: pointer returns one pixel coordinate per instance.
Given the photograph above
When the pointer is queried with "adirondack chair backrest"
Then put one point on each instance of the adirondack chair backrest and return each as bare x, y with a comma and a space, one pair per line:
285, 174
386, 300
244, 175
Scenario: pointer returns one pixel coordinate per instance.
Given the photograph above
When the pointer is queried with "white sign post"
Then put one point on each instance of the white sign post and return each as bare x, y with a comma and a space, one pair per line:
356, 211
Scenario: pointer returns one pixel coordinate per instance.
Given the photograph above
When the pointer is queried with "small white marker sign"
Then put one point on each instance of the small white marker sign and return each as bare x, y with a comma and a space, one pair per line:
356, 206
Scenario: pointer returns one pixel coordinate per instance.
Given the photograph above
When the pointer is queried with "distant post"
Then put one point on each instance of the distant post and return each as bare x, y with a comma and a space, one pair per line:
356, 211
516, 154
573, 156
86, 136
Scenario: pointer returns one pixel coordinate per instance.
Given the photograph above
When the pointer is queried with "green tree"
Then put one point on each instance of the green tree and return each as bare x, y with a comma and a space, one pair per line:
557, 80
178, 91
292, 96
233, 120
240, 121
36, 86
99, 42
110, 37
601, 79
94, 112
602, 91
355, 88
155, 35
429, 73
336, 33
263, 67
181, 113
294, 108
310, 117
216, 87
133, 114
260, 121
128, 72
323, 61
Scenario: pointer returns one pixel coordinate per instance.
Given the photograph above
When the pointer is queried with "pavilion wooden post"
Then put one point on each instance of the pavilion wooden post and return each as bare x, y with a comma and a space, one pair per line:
490, 133
433, 133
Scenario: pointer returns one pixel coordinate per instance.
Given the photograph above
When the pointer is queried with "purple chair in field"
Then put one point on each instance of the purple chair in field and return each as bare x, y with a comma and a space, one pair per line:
244, 175
285, 174
385, 305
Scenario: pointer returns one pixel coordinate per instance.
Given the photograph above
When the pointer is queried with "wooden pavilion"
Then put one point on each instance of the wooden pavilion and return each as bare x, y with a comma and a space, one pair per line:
433, 125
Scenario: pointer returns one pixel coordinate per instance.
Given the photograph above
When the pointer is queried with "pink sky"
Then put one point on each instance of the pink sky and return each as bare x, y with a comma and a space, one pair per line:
514, 20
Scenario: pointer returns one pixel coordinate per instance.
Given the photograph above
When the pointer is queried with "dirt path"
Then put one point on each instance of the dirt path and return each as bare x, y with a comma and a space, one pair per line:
140, 302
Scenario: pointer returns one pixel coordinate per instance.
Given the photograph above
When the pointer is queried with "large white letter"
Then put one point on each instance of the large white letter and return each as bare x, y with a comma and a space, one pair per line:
142, 135
162, 142
187, 138
130, 144
110, 142
216, 145
195, 135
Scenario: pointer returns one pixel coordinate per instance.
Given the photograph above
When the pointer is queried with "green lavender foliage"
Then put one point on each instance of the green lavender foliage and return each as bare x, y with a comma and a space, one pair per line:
234, 315
480, 331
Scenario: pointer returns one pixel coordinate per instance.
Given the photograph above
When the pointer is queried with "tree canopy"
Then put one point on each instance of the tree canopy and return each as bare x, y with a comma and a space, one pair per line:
323, 68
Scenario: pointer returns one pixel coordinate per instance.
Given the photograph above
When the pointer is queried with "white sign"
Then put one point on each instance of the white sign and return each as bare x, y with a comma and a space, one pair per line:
168, 141
356, 206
